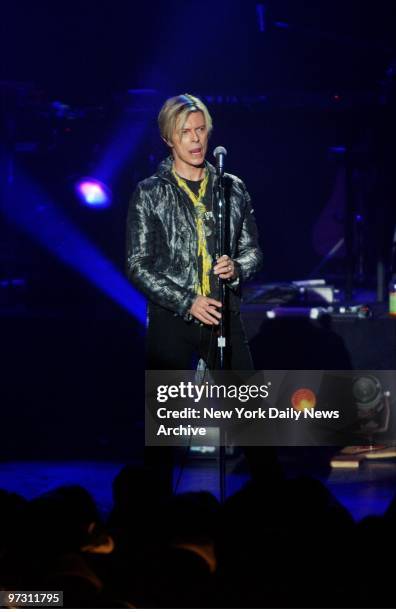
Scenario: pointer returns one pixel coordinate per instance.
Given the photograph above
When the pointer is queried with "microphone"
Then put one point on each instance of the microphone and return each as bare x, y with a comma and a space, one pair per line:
220, 155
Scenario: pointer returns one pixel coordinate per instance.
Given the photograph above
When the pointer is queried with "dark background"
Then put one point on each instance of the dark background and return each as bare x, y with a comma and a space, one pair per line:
280, 99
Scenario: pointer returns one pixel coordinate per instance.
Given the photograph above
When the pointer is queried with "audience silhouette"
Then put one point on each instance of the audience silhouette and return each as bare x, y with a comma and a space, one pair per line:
277, 543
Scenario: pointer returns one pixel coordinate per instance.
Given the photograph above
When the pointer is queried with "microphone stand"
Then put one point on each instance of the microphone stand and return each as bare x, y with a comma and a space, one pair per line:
221, 339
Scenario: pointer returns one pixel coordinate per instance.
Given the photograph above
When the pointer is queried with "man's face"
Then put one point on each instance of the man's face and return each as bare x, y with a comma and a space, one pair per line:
190, 141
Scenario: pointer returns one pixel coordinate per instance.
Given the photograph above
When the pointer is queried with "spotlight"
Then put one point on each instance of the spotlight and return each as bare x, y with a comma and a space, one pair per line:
303, 399
373, 404
93, 193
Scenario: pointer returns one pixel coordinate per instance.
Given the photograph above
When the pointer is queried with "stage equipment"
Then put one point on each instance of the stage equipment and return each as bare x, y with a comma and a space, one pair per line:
316, 290
220, 207
312, 292
373, 413
373, 405
360, 311
220, 155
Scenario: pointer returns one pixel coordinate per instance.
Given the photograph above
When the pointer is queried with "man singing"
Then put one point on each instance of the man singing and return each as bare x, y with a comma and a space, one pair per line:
171, 247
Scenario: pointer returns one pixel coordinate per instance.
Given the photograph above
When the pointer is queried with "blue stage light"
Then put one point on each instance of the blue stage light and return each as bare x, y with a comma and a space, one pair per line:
29, 208
93, 193
261, 14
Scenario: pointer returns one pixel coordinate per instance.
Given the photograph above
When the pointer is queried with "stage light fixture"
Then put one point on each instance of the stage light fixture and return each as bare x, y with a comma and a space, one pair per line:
373, 404
93, 193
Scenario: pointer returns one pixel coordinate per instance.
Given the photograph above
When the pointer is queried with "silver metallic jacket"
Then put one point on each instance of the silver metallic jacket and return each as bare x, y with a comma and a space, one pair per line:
162, 240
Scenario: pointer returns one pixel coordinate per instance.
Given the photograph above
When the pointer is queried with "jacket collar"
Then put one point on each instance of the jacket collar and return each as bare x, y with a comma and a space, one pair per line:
164, 169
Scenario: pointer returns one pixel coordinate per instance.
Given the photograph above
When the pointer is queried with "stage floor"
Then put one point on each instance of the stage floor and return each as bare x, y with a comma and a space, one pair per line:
364, 491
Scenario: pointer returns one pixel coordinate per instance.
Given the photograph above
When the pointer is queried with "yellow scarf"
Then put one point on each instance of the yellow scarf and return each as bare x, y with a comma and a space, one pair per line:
202, 288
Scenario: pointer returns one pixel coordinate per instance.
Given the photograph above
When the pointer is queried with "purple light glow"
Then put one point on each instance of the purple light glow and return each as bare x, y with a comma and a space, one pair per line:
93, 193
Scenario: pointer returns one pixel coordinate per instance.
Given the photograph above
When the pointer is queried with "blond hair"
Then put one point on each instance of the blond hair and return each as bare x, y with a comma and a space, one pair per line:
175, 111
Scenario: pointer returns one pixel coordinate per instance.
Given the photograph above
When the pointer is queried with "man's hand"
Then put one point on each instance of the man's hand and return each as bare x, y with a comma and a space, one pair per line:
204, 309
225, 268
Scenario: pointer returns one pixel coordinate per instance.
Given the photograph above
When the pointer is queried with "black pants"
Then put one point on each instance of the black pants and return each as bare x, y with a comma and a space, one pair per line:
174, 344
